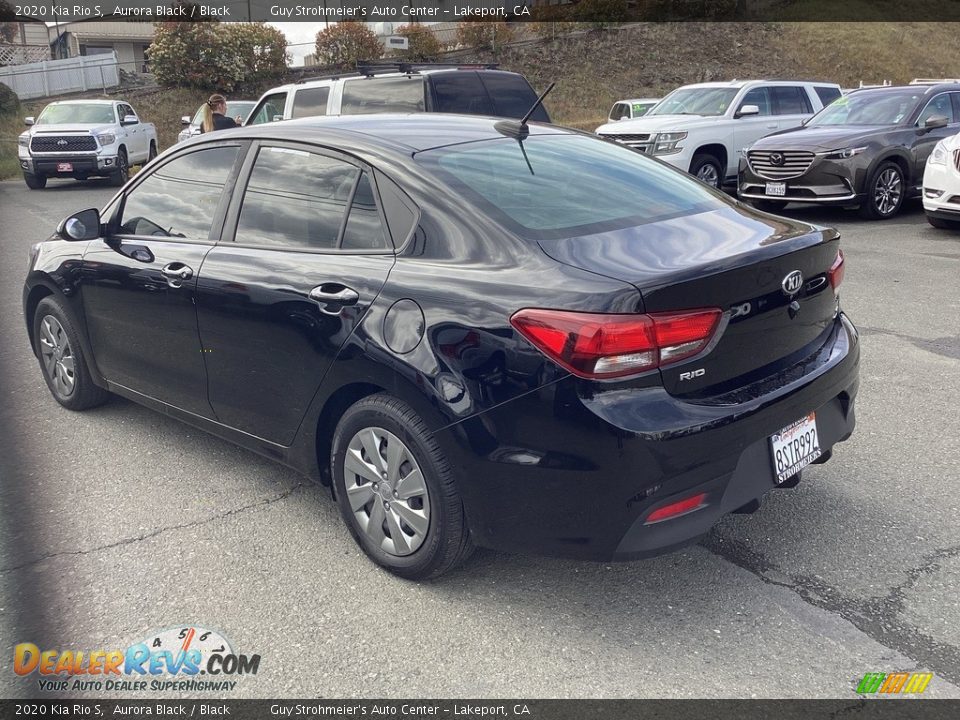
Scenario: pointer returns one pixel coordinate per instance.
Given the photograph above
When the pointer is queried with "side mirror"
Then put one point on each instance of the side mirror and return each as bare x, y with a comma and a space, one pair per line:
748, 110
934, 122
84, 225
185, 120
130, 120
277, 118
29, 120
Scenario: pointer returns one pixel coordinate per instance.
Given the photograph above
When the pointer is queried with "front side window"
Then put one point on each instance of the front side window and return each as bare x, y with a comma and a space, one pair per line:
269, 109
299, 199
180, 198
620, 111
940, 106
564, 186
382, 95
760, 97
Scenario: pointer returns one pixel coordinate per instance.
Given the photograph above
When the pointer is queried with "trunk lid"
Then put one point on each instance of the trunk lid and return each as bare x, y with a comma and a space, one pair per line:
730, 258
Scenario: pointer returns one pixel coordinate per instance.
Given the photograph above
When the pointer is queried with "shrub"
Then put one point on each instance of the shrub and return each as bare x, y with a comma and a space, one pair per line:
601, 13
484, 34
346, 43
216, 56
424, 45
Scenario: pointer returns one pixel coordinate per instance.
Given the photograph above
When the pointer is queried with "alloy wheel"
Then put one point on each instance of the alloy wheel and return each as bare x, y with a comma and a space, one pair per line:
58, 358
708, 174
387, 491
887, 191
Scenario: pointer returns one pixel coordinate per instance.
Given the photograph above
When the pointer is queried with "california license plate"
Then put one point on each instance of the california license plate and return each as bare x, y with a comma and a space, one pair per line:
795, 447
777, 189
64, 167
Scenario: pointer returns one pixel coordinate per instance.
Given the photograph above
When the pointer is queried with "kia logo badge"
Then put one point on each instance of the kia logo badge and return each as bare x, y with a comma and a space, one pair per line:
776, 158
792, 283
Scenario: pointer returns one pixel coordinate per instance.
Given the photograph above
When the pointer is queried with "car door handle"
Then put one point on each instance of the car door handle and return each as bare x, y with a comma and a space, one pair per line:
177, 271
336, 295
773, 126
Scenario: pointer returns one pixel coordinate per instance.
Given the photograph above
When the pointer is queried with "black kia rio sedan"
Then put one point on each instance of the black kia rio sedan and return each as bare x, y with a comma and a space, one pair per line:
529, 341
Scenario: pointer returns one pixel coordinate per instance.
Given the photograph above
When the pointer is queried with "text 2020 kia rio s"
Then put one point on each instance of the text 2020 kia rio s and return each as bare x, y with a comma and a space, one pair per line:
528, 341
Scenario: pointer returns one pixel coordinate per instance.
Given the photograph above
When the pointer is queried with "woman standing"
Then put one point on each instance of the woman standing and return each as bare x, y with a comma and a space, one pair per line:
214, 117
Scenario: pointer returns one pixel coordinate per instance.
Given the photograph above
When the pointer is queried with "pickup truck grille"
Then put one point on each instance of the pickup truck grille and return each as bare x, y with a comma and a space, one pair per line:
637, 142
780, 164
63, 143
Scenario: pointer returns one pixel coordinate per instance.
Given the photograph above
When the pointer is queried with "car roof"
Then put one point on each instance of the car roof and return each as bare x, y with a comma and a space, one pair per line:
87, 102
639, 100
919, 88
412, 132
744, 83
320, 81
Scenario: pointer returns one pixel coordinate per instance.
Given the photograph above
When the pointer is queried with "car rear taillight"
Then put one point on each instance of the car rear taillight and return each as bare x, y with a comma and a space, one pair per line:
835, 273
598, 346
676, 509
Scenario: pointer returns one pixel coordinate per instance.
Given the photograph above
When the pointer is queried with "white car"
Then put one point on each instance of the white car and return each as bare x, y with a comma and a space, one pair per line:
703, 128
82, 139
629, 109
941, 184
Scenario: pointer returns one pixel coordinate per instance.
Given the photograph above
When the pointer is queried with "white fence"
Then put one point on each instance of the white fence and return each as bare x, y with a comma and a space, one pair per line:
55, 77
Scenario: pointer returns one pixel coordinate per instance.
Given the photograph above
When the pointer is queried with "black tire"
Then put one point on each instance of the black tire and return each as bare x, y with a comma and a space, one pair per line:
153, 152
120, 176
35, 182
706, 168
445, 543
941, 224
83, 394
770, 206
878, 206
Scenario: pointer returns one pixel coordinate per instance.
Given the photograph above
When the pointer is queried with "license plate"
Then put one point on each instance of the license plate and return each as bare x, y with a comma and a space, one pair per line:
777, 189
64, 167
795, 447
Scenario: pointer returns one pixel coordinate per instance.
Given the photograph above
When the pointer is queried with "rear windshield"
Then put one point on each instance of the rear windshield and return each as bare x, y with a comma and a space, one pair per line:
76, 113
566, 185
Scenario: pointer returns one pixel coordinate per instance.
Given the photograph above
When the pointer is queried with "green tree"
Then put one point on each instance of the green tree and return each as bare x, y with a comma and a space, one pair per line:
484, 34
345, 44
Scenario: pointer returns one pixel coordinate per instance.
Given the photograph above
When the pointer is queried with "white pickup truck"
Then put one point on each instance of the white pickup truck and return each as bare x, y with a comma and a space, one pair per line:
703, 128
85, 138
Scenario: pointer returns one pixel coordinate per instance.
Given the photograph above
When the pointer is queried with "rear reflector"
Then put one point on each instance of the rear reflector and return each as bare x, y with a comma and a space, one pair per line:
835, 273
596, 345
681, 507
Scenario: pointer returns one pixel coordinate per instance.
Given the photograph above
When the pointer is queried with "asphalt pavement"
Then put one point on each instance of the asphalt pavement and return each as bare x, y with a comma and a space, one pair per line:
119, 522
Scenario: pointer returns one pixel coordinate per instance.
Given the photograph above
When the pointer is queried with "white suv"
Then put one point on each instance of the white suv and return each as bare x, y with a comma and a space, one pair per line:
941, 184
703, 128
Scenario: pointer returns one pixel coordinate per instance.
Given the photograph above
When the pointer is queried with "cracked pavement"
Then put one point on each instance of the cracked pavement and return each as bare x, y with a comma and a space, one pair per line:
119, 521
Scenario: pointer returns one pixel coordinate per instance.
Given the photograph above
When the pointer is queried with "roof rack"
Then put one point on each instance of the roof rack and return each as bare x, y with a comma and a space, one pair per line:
933, 81
375, 68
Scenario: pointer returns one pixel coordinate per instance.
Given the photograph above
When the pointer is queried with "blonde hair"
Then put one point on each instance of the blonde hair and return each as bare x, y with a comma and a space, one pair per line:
214, 100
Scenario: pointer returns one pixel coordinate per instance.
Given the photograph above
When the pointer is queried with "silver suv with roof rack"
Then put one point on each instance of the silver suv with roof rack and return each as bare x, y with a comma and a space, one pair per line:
404, 88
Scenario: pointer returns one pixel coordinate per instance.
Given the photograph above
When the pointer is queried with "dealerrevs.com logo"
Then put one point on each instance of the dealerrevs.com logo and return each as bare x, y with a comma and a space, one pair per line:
900, 683
182, 659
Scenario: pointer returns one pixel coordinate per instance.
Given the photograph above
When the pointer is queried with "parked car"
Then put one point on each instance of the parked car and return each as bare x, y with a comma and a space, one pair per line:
555, 345
83, 139
235, 109
867, 150
629, 109
941, 184
403, 87
702, 128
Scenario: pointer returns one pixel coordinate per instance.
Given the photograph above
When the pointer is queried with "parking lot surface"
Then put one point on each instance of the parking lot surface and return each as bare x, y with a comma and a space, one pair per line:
119, 522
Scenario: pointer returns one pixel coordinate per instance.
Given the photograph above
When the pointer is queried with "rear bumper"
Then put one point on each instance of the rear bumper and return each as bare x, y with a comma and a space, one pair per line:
571, 471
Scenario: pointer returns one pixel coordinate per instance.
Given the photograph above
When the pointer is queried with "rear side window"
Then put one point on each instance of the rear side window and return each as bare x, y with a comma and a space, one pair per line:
180, 198
382, 95
512, 96
827, 94
561, 186
364, 230
308, 102
269, 108
790, 100
460, 92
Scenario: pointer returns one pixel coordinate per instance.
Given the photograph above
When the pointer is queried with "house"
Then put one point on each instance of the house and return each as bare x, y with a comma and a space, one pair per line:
29, 43
129, 40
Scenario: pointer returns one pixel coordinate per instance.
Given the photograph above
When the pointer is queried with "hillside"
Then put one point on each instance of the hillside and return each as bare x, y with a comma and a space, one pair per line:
592, 69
